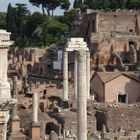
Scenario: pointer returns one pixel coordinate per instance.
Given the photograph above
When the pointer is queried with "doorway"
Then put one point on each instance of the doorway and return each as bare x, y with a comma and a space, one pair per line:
122, 98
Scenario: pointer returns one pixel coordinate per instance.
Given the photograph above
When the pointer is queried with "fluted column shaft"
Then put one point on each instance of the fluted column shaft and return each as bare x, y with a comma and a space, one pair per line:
15, 108
88, 74
75, 75
82, 97
35, 107
65, 76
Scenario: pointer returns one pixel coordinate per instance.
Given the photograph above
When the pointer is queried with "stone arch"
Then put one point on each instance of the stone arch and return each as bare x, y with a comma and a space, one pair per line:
50, 126
132, 43
41, 106
118, 58
93, 26
88, 28
29, 68
54, 100
133, 51
41, 70
94, 47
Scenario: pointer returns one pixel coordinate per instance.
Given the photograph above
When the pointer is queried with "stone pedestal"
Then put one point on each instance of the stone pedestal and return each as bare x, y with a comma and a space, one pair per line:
82, 97
15, 130
35, 131
15, 125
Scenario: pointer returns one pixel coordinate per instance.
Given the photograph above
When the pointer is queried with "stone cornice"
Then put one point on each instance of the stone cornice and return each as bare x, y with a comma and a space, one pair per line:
5, 44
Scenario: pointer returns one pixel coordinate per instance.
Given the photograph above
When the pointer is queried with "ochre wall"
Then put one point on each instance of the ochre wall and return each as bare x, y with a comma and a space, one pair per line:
97, 86
122, 84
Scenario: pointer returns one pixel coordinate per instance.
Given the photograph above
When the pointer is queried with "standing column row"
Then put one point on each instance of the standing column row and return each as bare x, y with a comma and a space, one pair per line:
65, 75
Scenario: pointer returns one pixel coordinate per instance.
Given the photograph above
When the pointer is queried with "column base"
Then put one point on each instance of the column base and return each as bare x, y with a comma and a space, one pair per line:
65, 99
35, 131
19, 136
15, 129
15, 125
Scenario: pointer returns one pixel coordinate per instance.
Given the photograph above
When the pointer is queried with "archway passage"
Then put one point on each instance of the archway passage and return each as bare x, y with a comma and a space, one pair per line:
50, 126
29, 68
55, 100
132, 43
93, 26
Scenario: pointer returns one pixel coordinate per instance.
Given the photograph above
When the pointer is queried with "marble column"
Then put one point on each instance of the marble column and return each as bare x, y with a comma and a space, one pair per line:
15, 82
88, 74
65, 76
35, 133
4, 131
82, 97
35, 107
75, 75
15, 108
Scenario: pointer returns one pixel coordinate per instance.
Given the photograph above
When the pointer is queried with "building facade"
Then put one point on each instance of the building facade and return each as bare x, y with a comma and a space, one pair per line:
113, 38
115, 87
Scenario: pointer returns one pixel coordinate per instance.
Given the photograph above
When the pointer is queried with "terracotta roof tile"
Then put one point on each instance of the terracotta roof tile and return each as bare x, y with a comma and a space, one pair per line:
108, 76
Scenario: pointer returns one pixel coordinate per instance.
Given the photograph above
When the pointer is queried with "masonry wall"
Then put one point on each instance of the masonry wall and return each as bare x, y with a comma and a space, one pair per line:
97, 88
121, 22
113, 118
122, 84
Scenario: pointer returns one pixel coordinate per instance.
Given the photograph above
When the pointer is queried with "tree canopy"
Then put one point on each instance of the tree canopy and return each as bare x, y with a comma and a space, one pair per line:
109, 4
2, 20
11, 21
51, 5
49, 32
34, 29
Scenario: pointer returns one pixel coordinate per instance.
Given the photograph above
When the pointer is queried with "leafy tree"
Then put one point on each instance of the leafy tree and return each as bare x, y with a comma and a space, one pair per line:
33, 22
105, 4
2, 20
113, 4
11, 21
133, 4
68, 18
65, 4
50, 5
122, 3
21, 42
92, 4
38, 3
56, 28
77, 4
49, 32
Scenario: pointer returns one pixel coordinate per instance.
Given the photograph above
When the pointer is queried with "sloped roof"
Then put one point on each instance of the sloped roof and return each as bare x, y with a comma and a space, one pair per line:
108, 76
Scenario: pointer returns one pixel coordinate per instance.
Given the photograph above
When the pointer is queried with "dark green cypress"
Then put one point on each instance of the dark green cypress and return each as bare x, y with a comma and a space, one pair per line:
10, 22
